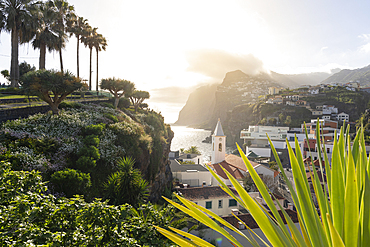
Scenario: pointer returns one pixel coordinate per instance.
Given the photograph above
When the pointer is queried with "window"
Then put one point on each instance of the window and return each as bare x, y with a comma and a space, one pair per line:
209, 205
220, 147
232, 202
219, 203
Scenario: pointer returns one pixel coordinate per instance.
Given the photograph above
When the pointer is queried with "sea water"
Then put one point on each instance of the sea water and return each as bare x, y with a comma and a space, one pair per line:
186, 137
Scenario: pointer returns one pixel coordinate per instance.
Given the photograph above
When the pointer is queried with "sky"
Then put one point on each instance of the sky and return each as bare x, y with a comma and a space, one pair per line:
169, 47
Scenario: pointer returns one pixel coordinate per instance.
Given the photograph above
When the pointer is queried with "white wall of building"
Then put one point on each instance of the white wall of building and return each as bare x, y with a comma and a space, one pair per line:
225, 208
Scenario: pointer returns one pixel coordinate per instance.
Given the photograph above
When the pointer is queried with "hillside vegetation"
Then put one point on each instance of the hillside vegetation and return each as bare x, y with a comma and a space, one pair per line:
79, 148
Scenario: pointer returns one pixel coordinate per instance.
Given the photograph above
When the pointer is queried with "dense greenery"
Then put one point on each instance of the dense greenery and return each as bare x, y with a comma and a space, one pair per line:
32, 217
83, 144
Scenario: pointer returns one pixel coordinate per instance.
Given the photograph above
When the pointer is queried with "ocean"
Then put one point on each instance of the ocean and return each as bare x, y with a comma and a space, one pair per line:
186, 137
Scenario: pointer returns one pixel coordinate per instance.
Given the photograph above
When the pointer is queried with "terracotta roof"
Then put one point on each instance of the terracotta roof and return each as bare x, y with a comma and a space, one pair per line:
249, 221
200, 193
235, 172
276, 173
238, 162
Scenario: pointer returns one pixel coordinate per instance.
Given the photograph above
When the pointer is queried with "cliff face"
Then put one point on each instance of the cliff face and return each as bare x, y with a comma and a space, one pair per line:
197, 108
163, 178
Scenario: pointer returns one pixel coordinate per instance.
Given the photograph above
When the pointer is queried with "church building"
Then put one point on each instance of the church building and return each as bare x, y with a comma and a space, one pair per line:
230, 162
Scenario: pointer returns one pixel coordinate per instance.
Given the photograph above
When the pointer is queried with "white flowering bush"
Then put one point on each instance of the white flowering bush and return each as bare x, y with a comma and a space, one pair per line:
28, 160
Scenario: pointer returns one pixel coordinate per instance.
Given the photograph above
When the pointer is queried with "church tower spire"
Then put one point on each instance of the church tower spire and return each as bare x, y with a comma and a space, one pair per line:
218, 144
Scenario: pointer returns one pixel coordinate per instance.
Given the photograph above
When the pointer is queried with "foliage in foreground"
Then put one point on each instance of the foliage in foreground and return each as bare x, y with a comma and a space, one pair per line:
29, 217
344, 204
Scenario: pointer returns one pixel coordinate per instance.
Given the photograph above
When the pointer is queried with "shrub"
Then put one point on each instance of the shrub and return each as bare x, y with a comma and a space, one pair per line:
124, 103
105, 104
70, 182
85, 163
94, 129
69, 105
91, 140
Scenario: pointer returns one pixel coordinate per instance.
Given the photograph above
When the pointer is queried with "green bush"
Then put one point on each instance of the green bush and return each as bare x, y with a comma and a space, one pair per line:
111, 117
85, 163
91, 140
69, 105
124, 103
70, 182
94, 129
90, 151
105, 104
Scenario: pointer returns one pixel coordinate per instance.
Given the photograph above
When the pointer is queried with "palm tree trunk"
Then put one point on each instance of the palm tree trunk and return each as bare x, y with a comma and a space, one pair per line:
78, 56
90, 69
14, 66
97, 72
61, 59
42, 56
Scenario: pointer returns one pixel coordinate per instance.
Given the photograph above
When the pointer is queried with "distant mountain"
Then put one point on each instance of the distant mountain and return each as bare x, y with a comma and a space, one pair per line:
361, 75
206, 104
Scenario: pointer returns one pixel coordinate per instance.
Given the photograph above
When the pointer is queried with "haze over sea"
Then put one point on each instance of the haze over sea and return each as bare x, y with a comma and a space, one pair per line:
186, 137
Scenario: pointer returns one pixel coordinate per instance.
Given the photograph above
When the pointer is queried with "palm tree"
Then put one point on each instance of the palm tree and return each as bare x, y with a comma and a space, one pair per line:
89, 40
79, 29
46, 33
66, 17
18, 18
99, 44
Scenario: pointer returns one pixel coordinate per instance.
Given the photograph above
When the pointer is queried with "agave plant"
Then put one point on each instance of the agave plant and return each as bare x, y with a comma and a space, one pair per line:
344, 218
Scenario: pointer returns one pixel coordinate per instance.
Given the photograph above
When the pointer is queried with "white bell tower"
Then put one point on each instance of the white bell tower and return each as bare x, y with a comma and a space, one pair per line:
218, 144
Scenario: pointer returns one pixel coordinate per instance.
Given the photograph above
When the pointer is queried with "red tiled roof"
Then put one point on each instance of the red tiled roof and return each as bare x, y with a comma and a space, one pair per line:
200, 193
235, 172
250, 222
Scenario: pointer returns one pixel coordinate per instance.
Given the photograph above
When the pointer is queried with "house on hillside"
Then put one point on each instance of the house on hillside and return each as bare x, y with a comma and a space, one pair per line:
343, 117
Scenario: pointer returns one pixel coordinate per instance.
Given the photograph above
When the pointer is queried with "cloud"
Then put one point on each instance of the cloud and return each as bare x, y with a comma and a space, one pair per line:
366, 47
216, 63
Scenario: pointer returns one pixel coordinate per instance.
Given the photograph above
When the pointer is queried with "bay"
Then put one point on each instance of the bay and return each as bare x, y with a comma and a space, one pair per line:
185, 137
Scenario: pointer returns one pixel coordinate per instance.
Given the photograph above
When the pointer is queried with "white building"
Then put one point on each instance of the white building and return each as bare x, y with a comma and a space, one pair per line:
193, 175
343, 117
257, 134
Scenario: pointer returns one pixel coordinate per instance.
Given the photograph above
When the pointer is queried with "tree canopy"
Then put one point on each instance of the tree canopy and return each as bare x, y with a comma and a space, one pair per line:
117, 87
51, 86
137, 97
